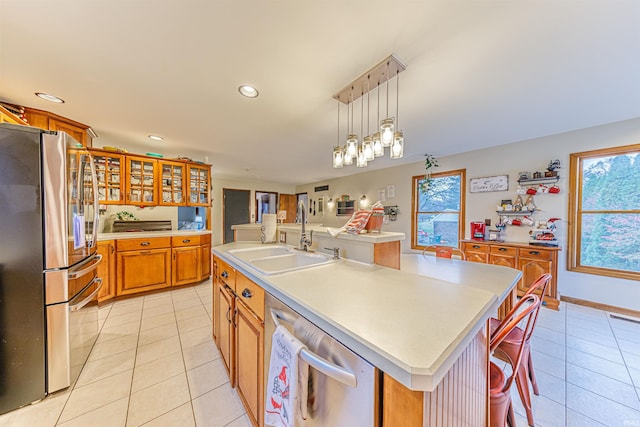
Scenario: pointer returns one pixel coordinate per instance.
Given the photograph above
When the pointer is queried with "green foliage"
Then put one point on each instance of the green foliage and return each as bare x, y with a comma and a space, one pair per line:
610, 239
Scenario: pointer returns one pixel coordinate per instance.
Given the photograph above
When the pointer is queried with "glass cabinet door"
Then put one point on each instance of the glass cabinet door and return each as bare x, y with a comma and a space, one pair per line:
109, 175
172, 183
199, 185
141, 181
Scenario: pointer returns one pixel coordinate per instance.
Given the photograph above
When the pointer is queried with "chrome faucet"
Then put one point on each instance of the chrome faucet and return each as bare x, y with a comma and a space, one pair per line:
305, 243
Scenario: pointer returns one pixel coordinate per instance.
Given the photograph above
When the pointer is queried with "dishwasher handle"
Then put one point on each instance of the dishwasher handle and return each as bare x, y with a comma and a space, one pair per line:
321, 364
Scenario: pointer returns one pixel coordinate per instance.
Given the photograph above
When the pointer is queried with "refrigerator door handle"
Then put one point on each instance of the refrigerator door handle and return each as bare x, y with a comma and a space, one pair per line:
332, 370
75, 306
96, 201
90, 268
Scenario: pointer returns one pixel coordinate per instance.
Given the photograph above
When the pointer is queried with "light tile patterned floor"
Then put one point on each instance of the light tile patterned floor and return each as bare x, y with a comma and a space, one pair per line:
154, 364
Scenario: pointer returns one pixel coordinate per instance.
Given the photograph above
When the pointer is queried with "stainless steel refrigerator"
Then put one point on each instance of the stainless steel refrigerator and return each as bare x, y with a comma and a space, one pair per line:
48, 262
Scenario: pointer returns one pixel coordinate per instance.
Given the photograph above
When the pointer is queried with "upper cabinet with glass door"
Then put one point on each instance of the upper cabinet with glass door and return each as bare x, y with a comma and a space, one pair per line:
141, 188
199, 177
109, 173
172, 183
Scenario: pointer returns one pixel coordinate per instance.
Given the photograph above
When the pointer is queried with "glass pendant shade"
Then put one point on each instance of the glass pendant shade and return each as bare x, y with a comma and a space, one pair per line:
386, 126
352, 146
346, 159
337, 157
378, 149
397, 147
361, 160
367, 146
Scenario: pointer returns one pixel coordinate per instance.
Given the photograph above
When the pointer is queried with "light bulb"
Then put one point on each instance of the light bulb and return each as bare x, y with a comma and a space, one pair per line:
387, 132
397, 149
346, 158
352, 146
361, 161
337, 157
378, 149
367, 145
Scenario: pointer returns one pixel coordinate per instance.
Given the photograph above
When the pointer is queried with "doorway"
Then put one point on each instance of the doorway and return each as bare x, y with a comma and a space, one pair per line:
266, 203
235, 210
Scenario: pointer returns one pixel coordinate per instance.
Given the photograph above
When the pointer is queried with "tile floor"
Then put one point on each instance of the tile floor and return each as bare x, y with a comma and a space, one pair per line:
154, 364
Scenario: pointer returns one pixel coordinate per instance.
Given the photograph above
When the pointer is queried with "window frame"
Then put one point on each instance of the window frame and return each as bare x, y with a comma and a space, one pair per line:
414, 205
574, 236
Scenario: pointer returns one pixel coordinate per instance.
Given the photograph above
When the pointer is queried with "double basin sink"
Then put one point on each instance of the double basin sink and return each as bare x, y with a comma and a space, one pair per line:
276, 259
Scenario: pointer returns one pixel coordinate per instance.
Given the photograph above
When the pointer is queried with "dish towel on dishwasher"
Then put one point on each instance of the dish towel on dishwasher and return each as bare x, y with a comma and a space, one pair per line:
317, 342
283, 397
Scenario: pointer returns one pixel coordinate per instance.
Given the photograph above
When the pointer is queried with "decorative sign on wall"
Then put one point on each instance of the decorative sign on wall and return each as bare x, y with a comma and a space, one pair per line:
489, 183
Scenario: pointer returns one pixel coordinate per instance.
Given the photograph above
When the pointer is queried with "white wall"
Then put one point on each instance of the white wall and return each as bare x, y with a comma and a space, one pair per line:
532, 155
252, 185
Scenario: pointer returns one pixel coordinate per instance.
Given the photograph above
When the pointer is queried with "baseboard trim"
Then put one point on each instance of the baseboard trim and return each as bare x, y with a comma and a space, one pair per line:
600, 306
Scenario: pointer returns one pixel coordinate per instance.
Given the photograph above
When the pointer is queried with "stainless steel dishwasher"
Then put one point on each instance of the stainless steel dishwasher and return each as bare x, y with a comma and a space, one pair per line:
345, 390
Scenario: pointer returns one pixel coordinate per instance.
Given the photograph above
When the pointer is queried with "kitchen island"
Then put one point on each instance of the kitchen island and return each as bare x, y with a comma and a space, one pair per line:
423, 327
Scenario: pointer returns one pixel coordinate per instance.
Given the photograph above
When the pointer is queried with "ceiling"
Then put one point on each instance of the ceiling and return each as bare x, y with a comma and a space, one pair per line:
479, 73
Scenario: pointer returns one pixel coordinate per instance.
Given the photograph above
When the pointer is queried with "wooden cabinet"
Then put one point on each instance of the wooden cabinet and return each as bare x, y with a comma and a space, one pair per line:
226, 330
143, 264
109, 167
186, 266
238, 331
205, 256
140, 181
7, 116
250, 361
533, 261
199, 182
172, 183
107, 269
50, 121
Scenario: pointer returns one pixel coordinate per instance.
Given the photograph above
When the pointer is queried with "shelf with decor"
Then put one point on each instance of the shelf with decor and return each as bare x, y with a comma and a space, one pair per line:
515, 213
542, 180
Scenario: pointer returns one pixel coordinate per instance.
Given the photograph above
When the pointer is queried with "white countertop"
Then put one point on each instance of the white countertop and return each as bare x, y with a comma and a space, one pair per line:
147, 234
411, 323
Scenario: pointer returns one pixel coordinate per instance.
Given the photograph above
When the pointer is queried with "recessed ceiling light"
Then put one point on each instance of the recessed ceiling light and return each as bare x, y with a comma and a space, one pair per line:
248, 91
51, 98
156, 137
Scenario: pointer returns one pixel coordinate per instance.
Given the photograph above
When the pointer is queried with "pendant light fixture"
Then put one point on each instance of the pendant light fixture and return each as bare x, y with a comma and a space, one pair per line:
361, 161
386, 125
397, 147
388, 135
378, 149
338, 160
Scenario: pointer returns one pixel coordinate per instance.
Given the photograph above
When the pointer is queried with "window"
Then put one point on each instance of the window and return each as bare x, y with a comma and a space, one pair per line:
604, 209
438, 209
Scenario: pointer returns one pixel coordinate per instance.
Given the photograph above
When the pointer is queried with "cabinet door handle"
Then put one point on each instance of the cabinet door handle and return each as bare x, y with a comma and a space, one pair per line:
174, 256
113, 249
233, 318
224, 274
534, 252
502, 249
145, 243
226, 316
186, 241
246, 293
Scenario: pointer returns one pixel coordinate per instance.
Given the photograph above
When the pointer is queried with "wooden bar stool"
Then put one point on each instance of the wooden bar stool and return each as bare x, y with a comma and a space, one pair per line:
444, 251
510, 346
500, 406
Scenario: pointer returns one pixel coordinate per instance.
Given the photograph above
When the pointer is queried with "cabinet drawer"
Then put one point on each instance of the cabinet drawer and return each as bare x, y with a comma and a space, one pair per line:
193, 240
205, 238
476, 247
226, 274
504, 250
535, 253
148, 243
250, 294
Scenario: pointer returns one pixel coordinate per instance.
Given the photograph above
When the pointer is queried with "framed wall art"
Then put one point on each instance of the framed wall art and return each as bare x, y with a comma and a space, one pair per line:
489, 183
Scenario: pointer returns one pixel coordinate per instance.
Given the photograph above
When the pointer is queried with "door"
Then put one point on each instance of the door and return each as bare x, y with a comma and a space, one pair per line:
236, 207
70, 201
288, 204
265, 203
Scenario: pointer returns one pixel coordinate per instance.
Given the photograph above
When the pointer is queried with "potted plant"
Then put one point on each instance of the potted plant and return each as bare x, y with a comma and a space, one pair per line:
429, 163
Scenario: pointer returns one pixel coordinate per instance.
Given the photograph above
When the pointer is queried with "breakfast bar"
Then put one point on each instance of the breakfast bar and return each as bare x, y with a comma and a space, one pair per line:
423, 326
